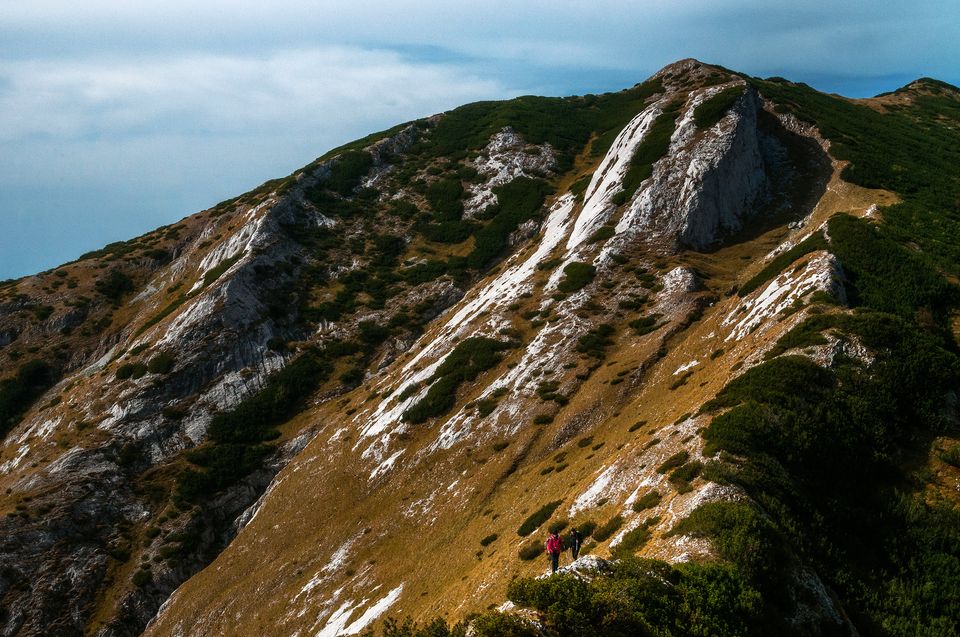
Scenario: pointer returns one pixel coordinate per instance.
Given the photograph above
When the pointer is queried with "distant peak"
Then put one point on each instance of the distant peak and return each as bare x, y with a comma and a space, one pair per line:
690, 72
926, 86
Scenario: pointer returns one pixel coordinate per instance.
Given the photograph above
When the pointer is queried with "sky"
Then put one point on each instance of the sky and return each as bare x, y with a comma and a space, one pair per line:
117, 117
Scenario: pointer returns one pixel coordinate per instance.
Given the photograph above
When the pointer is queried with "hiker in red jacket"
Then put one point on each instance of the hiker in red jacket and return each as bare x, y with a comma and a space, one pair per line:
554, 546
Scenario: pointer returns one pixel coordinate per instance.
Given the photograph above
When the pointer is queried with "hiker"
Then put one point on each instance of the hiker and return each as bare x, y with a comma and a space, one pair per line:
574, 541
554, 546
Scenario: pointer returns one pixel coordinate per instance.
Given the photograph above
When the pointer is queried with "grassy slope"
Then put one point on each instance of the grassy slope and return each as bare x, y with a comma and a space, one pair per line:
925, 216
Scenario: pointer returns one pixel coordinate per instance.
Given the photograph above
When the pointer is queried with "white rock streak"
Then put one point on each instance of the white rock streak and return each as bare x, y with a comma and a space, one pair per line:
608, 178
497, 293
505, 158
779, 294
337, 623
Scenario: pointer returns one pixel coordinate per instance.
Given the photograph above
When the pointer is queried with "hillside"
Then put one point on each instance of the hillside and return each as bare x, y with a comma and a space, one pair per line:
712, 319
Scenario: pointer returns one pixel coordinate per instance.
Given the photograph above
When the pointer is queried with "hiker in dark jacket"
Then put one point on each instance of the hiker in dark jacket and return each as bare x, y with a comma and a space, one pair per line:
574, 541
554, 546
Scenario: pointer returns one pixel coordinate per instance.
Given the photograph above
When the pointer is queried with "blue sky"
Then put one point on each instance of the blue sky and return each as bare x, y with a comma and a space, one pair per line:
117, 117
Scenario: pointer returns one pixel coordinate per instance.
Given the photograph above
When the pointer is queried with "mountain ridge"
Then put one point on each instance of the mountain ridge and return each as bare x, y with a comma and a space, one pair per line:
277, 276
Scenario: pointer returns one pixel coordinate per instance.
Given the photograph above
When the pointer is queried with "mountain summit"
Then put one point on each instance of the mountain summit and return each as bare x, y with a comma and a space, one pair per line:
710, 321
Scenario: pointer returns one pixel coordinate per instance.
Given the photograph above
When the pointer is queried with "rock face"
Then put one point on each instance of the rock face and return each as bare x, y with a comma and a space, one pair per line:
712, 181
506, 157
608, 337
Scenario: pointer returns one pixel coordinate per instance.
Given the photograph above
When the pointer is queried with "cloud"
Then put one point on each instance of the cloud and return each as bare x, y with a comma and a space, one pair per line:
150, 110
204, 94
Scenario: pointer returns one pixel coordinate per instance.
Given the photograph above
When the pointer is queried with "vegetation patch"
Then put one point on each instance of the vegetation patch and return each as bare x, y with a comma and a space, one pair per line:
18, 393
517, 201
607, 529
908, 150
654, 146
645, 324
644, 597
596, 341
812, 243
468, 359
557, 526
681, 477
131, 370
531, 550
674, 461
576, 275
162, 363
235, 447
488, 540
115, 285
647, 501
711, 110
215, 272
602, 233
824, 450
634, 539
537, 518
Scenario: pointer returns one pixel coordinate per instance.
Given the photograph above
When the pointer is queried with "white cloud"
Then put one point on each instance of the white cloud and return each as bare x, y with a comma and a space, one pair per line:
326, 88
167, 106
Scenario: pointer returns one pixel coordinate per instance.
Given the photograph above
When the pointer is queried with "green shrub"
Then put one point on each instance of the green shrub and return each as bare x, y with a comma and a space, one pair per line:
711, 110
496, 624
353, 376
141, 578
449, 231
490, 539
517, 201
347, 170
823, 449
215, 272
601, 234
18, 393
595, 342
162, 314
446, 198
576, 275
631, 541
907, 150
675, 460
115, 285
647, 501
951, 456
531, 550
138, 349
740, 534
644, 597
537, 518
651, 148
131, 370
586, 528
557, 526
469, 358
645, 324
606, 530
235, 448
579, 187
162, 363
681, 477
886, 276
485, 407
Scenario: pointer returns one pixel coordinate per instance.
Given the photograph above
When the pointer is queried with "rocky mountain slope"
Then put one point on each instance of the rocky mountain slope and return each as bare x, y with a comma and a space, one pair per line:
711, 319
